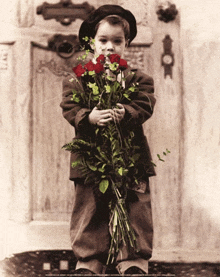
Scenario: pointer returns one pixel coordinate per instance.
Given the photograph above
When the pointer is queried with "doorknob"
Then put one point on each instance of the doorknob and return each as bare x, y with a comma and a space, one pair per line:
167, 11
64, 45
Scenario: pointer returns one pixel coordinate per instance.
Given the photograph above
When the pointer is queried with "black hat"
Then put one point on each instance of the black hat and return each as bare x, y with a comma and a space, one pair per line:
88, 26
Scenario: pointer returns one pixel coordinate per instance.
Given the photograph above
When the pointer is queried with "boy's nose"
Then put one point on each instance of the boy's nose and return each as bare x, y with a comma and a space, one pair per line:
110, 46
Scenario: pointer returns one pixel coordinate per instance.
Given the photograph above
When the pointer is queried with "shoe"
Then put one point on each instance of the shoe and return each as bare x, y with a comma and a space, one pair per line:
83, 272
134, 271
111, 271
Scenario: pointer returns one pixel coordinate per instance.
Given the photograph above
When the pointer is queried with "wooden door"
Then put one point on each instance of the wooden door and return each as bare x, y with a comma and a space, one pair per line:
52, 190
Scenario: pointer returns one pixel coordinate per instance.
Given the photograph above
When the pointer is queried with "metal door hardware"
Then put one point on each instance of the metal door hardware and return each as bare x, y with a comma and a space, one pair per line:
167, 12
65, 11
64, 46
167, 58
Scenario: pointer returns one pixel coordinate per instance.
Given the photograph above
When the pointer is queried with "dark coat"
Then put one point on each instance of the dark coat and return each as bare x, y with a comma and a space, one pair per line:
136, 113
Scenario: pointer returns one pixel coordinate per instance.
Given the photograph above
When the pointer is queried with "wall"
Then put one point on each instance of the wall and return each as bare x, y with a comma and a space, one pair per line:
201, 101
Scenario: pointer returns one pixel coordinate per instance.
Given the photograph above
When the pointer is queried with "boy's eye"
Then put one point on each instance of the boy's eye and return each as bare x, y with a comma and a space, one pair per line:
117, 41
103, 40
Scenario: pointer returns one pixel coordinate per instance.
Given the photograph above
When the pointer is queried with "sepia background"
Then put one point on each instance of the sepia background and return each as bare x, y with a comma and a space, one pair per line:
35, 193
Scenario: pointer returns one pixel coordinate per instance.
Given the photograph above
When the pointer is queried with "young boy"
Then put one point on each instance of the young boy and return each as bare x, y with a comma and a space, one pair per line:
113, 28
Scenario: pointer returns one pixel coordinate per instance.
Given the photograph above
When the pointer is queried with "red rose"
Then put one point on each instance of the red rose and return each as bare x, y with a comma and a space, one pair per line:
89, 66
101, 59
114, 58
123, 64
79, 70
98, 68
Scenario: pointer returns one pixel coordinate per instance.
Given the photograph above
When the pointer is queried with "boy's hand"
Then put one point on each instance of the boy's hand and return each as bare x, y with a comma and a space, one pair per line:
118, 113
100, 117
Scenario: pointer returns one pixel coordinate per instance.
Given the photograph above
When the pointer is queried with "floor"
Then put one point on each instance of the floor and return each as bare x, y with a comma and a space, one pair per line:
62, 263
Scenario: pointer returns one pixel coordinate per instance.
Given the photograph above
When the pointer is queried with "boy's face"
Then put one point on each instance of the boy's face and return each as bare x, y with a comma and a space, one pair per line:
109, 39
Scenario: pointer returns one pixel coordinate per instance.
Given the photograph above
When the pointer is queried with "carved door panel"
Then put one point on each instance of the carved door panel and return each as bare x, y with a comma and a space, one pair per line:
52, 191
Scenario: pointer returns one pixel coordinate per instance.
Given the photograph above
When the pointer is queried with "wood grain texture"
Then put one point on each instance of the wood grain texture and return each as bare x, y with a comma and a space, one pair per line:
165, 131
21, 132
200, 195
52, 190
25, 13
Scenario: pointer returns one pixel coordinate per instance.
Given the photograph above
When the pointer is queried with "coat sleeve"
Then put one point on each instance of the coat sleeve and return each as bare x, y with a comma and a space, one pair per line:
74, 113
142, 105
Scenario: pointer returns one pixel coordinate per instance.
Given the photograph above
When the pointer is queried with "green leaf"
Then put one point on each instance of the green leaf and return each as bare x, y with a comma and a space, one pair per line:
132, 134
120, 171
92, 167
76, 163
103, 185
96, 98
92, 72
116, 86
92, 41
126, 96
110, 78
102, 154
108, 88
113, 66
136, 157
75, 98
119, 159
102, 169
160, 158
132, 89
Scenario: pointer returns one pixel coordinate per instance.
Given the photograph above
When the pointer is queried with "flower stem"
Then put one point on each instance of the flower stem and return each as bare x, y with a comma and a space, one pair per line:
122, 231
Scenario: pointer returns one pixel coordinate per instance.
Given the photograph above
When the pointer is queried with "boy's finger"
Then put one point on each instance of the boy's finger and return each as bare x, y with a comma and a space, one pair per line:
104, 120
119, 110
105, 116
102, 112
119, 113
120, 105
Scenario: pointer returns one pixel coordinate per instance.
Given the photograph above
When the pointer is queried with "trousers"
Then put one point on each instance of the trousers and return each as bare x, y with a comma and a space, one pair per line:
89, 229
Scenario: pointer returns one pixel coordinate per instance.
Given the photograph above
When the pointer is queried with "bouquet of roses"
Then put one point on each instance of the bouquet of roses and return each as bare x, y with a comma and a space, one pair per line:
111, 160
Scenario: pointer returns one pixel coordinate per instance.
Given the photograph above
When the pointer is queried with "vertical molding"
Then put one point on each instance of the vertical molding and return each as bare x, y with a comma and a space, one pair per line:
25, 13
6, 130
165, 131
4, 49
21, 193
